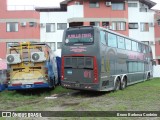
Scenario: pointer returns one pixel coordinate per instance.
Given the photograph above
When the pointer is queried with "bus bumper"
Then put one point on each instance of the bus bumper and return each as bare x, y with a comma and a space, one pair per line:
80, 86
28, 86
2, 87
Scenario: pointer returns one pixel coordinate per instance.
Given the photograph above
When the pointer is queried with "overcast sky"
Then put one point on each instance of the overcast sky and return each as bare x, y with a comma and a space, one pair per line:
55, 3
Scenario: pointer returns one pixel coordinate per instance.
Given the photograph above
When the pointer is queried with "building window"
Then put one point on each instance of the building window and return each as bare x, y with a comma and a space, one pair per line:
61, 26
144, 27
105, 24
95, 23
12, 27
59, 45
32, 24
50, 27
143, 8
159, 22
133, 25
52, 45
93, 4
118, 26
132, 5
117, 6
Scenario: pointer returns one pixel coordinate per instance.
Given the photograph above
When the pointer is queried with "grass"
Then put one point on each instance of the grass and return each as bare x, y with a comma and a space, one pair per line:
25, 100
143, 96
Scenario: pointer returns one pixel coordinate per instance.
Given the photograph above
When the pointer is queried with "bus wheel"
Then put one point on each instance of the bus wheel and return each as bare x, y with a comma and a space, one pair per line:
52, 83
123, 83
117, 85
148, 76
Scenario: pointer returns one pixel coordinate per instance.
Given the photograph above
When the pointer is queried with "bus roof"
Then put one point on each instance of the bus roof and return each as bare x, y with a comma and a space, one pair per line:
25, 44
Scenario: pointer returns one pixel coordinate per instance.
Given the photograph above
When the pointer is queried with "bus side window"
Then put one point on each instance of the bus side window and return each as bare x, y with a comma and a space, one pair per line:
143, 49
134, 46
128, 44
103, 37
112, 40
147, 49
121, 43
139, 46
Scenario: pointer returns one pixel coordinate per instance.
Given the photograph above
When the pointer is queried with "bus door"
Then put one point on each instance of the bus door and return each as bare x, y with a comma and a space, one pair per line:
111, 65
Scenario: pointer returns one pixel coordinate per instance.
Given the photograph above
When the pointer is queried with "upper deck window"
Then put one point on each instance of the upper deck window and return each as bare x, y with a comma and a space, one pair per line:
128, 44
103, 37
79, 37
121, 43
112, 40
134, 46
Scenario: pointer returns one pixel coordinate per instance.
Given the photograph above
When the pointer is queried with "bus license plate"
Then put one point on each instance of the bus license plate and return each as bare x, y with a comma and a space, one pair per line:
27, 86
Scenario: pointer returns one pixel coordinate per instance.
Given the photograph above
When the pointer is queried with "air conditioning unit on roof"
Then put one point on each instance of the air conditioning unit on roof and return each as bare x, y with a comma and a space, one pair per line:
42, 25
13, 58
108, 4
38, 56
23, 24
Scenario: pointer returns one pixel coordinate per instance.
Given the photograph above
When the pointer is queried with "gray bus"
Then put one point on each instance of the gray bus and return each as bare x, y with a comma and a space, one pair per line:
95, 58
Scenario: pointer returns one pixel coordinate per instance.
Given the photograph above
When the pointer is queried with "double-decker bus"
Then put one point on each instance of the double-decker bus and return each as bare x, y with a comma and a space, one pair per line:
31, 66
95, 58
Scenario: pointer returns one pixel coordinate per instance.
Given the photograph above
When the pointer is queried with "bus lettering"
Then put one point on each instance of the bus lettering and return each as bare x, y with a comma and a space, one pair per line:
87, 74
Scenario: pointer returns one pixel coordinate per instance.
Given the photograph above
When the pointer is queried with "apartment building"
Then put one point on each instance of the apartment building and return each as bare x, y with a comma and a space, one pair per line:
112, 15
132, 18
157, 35
17, 25
141, 22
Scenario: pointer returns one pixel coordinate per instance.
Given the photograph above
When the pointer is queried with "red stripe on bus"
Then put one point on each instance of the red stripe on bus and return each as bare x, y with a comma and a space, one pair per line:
38, 82
95, 69
17, 84
62, 69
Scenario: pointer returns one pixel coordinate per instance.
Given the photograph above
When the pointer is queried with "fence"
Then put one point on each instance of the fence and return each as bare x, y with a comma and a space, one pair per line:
156, 71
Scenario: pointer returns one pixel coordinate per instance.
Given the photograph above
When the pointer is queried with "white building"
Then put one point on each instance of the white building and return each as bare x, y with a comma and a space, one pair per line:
141, 22
55, 20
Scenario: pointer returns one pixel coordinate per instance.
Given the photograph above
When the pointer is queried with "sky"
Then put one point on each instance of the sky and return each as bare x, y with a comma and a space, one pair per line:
53, 3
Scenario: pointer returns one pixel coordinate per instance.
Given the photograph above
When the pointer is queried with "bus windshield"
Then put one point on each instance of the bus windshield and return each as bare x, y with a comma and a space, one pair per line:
79, 37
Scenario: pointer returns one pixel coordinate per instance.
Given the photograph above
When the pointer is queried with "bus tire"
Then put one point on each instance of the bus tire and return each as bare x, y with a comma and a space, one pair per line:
52, 83
123, 83
148, 76
117, 85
